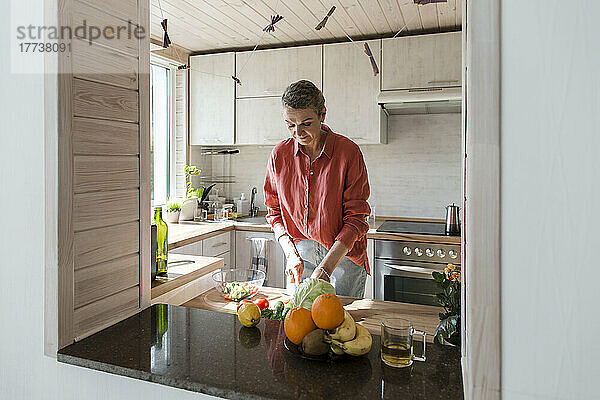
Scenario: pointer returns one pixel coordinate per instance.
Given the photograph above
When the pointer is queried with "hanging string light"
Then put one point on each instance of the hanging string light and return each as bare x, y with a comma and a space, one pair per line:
372, 59
269, 28
163, 23
274, 19
321, 24
166, 39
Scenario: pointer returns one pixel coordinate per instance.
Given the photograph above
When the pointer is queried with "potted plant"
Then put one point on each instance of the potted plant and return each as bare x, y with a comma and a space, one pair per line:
188, 206
448, 330
173, 208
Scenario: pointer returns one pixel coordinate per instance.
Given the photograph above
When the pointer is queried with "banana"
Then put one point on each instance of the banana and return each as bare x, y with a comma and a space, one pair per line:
358, 346
336, 349
346, 331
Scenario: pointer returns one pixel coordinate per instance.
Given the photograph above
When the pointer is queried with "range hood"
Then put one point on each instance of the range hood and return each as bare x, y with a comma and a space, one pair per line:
421, 101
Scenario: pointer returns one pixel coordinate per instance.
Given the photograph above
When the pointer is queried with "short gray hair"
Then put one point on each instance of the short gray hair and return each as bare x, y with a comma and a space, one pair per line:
304, 94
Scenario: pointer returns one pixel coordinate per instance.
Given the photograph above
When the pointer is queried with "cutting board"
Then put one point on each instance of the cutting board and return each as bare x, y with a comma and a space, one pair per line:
369, 313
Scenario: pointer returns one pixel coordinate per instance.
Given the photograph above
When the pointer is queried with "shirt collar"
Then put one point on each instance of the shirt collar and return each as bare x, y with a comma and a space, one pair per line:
327, 148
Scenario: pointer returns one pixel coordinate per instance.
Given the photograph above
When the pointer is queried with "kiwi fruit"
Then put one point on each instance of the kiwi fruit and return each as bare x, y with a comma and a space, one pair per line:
313, 343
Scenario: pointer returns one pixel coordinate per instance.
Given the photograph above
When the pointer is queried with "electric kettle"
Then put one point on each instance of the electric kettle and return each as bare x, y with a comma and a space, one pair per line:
452, 220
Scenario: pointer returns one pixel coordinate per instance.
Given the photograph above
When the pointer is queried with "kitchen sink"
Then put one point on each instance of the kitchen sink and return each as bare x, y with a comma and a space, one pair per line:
252, 220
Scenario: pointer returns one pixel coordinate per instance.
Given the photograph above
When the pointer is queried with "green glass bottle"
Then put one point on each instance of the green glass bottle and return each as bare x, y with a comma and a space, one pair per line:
162, 243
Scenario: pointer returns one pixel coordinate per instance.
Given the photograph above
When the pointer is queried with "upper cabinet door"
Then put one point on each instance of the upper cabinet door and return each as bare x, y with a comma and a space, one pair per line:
260, 121
269, 72
212, 97
422, 61
350, 90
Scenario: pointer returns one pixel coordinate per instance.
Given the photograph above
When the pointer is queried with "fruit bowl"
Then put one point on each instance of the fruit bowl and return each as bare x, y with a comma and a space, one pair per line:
238, 284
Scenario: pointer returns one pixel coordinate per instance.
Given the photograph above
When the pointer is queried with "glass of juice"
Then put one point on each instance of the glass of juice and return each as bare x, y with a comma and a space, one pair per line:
397, 342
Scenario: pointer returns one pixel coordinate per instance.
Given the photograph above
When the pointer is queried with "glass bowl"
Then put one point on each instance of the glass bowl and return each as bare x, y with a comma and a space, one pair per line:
251, 279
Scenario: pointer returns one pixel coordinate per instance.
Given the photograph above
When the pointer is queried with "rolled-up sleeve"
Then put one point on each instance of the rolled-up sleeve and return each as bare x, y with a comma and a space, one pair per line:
355, 206
274, 217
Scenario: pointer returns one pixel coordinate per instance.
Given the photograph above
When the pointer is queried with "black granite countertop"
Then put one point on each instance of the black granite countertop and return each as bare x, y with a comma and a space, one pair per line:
210, 352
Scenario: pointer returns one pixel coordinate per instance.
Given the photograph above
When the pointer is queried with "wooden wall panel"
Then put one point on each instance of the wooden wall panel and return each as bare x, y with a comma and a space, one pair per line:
105, 279
88, 317
104, 244
105, 173
101, 64
126, 10
122, 37
96, 100
97, 136
104, 169
100, 209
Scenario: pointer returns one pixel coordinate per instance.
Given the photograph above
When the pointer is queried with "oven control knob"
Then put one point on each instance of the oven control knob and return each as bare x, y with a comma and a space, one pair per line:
407, 250
429, 252
418, 252
441, 253
452, 254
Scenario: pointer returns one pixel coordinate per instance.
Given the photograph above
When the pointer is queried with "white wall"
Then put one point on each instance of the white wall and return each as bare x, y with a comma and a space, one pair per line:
25, 373
550, 199
415, 175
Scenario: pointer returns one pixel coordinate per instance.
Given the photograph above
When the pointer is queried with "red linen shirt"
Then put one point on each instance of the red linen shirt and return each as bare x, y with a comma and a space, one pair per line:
325, 200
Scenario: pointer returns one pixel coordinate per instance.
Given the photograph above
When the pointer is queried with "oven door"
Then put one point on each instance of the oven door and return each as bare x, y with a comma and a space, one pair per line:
406, 281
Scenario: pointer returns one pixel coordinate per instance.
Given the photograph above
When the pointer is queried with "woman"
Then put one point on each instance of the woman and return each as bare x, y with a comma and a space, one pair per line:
316, 192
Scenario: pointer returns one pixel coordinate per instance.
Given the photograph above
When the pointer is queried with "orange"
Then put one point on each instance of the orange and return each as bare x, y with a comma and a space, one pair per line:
298, 323
328, 311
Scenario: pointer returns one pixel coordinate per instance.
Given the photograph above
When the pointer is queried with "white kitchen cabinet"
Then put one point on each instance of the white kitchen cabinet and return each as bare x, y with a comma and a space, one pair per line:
275, 256
369, 286
215, 245
260, 121
351, 90
192, 249
220, 246
269, 72
226, 260
422, 61
212, 99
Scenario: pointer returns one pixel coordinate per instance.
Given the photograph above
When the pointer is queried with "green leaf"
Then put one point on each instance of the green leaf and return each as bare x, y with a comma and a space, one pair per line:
448, 330
438, 277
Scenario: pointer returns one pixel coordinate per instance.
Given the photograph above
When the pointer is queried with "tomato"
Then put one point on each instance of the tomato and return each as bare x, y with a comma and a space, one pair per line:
243, 302
262, 303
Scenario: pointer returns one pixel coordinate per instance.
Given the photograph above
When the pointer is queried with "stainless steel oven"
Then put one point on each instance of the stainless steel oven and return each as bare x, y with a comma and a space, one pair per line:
402, 270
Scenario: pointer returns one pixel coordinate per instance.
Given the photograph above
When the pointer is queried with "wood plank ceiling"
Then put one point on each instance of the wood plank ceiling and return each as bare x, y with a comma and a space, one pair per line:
218, 25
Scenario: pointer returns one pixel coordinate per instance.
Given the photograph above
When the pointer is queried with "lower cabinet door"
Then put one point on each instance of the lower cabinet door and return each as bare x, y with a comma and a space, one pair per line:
192, 249
371, 257
226, 260
274, 256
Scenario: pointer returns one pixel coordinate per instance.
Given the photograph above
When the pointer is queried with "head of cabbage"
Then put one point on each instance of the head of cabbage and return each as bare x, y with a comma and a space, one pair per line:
308, 290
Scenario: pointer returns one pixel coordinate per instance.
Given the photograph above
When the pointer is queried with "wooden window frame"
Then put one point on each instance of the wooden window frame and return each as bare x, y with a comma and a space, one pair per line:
166, 63
481, 303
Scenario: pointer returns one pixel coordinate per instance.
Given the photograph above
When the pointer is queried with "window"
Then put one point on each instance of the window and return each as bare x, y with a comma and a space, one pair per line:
162, 78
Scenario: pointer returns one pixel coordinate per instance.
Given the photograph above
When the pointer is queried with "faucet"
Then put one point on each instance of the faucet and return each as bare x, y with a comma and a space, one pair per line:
253, 210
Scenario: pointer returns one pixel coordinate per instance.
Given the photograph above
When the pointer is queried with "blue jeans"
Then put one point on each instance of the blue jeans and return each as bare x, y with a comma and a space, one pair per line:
348, 279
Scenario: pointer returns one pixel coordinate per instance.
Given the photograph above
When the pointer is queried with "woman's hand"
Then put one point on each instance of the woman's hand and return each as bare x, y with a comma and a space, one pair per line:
321, 273
295, 268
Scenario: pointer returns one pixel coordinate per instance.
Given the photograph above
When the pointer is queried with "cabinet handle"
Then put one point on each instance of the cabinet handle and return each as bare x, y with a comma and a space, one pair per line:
440, 82
219, 244
251, 239
212, 139
418, 270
